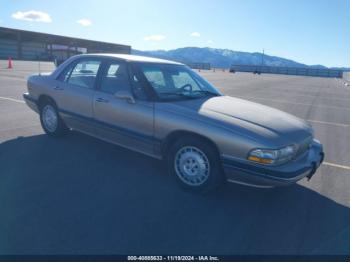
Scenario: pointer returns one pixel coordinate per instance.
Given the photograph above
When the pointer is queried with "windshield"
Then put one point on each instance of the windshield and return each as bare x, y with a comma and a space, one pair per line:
176, 81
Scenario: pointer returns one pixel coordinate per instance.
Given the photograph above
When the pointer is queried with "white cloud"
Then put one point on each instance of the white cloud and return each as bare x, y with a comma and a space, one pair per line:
84, 22
154, 38
32, 16
195, 34
210, 41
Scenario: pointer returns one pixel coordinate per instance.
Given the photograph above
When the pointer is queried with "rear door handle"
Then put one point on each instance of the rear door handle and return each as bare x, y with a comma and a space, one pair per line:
58, 88
101, 100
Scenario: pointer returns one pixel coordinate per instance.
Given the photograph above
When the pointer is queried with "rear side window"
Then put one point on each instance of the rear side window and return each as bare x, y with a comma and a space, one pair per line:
115, 78
137, 88
82, 74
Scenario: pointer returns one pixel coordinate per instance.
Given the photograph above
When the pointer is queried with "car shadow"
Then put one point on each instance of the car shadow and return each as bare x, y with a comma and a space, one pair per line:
79, 195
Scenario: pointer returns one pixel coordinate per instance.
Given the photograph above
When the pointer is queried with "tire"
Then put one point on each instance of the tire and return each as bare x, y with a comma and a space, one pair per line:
195, 164
50, 120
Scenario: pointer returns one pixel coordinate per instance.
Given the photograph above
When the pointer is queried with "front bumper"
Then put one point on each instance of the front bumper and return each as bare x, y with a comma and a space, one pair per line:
248, 173
31, 102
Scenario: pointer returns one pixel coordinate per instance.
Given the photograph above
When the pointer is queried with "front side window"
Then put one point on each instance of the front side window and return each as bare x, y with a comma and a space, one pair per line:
176, 81
115, 78
155, 76
82, 74
184, 80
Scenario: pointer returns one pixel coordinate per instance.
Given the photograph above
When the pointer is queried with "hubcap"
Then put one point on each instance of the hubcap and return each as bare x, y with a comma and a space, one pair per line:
192, 166
49, 117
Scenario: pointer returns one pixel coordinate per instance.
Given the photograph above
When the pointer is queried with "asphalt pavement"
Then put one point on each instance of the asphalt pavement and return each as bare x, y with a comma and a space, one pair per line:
80, 195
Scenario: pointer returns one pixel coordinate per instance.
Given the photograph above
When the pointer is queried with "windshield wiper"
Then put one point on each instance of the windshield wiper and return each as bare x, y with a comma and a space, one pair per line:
175, 94
188, 95
206, 92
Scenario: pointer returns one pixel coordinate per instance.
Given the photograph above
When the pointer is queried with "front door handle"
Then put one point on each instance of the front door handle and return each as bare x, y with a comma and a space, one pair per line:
101, 100
58, 88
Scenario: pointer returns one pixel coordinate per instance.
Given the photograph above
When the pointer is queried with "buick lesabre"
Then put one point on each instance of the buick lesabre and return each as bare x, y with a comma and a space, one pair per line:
165, 110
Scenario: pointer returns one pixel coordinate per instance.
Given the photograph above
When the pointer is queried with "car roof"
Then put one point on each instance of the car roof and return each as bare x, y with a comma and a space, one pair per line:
135, 58
125, 57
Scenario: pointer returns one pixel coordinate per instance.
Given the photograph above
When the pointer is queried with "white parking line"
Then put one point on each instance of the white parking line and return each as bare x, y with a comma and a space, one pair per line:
328, 123
294, 103
22, 79
336, 165
314, 121
309, 120
329, 98
12, 99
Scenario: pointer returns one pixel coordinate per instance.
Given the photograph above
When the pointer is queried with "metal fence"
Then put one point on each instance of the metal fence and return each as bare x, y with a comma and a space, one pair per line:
301, 71
203, 66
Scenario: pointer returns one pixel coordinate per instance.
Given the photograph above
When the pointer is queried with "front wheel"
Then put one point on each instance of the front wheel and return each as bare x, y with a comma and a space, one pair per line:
50, 120
196, 164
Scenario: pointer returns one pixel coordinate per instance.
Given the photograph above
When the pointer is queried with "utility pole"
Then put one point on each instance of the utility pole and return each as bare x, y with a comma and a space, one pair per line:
262, 63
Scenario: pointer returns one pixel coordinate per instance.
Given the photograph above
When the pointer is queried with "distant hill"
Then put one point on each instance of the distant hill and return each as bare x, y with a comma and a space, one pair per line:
220, 58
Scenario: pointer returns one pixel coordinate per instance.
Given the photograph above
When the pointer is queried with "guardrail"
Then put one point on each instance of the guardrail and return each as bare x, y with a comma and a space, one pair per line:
203, 66
302, 71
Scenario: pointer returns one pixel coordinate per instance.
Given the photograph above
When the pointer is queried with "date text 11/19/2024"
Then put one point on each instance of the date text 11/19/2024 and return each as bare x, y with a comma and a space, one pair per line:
173, 258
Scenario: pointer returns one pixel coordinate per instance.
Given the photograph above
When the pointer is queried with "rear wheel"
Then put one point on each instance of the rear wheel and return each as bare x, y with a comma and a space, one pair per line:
195, 164
50, 120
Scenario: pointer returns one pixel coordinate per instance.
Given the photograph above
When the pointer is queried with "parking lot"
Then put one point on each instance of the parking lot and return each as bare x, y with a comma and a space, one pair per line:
79, 195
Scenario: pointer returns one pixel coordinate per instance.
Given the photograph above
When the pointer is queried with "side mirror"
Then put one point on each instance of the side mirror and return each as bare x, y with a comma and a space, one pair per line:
125, 95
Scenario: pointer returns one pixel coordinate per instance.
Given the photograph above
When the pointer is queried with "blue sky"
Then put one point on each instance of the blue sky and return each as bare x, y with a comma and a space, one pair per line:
311, 32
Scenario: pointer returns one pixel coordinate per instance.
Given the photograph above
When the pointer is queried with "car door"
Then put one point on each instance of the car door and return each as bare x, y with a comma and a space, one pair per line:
126, 122
74, 93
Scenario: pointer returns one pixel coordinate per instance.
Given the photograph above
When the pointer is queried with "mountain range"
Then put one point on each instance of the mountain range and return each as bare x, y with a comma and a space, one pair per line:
222, 58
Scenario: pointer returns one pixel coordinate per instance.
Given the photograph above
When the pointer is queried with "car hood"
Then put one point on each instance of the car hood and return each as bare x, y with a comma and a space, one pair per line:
251, 118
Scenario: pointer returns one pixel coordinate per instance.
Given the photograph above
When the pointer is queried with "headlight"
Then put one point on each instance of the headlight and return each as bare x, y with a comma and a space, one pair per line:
267, 156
